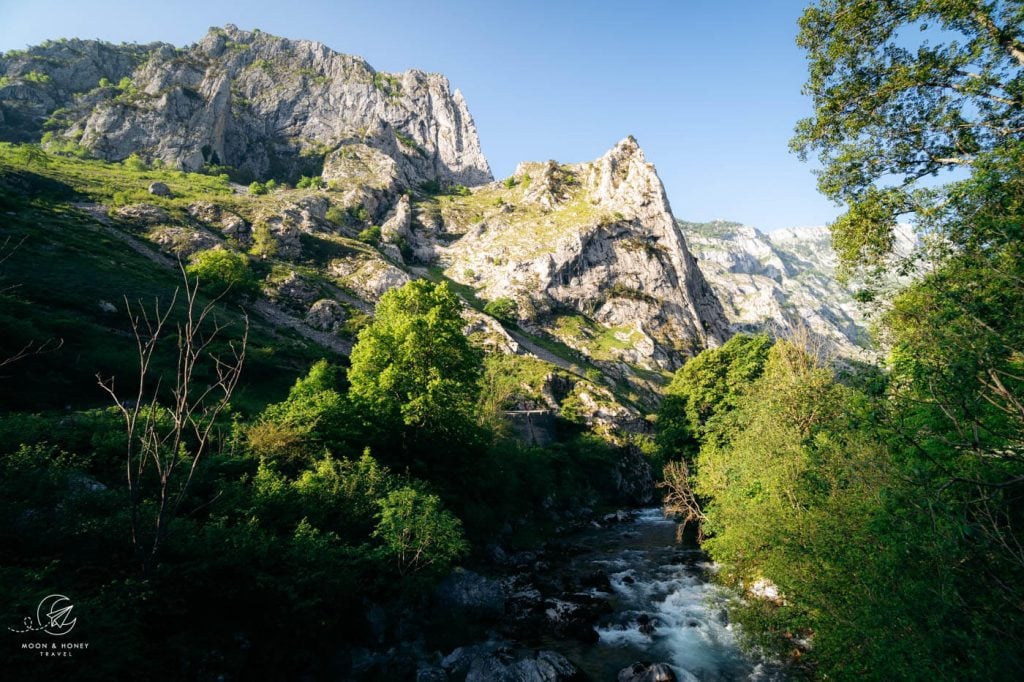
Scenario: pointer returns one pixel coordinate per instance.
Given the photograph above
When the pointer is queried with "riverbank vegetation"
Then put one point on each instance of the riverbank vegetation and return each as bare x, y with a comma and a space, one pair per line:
873, 517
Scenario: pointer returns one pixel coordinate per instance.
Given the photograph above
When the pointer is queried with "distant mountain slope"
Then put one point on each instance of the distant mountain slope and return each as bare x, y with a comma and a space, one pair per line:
780, 282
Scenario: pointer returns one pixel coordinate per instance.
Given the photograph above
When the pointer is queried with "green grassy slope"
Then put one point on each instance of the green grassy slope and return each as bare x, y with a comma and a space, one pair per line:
62, 266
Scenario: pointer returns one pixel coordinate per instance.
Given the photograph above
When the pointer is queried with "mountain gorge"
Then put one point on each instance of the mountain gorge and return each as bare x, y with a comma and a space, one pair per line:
311, 197
780, 283
262, 105
584, 261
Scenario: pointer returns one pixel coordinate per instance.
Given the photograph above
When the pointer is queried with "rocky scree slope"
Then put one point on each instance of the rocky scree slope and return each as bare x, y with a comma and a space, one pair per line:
263, 105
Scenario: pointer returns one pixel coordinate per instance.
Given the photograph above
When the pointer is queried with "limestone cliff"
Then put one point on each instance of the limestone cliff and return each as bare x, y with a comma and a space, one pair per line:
783, 281
266, 106
588, 253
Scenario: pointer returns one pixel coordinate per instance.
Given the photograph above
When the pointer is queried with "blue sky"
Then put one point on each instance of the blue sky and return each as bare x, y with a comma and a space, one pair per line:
710, 89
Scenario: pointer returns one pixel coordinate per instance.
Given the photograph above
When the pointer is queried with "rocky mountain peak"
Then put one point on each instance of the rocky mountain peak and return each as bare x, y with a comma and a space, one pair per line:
589, 253
263, 105
623, 177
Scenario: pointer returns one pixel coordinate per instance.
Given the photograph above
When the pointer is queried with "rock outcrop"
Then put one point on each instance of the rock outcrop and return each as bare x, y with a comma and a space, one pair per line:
589, 253
267, 106
780, 283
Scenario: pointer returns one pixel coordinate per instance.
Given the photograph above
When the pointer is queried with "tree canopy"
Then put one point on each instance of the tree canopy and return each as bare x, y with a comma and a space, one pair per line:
904, 90
413, 369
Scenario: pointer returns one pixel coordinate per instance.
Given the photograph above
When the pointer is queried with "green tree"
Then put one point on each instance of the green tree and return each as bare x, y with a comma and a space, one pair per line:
315, 417
503, 308
370, 235
222, 270
890, 111
264, 245
705, 386
414, 370
903, 90
418, 533
800, 491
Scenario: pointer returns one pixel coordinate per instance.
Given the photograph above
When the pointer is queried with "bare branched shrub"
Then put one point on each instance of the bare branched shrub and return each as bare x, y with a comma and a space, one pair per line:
171, 439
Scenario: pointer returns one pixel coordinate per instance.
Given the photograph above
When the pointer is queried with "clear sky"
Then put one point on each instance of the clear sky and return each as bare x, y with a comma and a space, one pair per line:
710, 88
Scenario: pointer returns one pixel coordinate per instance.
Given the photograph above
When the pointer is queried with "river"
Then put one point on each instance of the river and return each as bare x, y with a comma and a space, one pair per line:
664, 608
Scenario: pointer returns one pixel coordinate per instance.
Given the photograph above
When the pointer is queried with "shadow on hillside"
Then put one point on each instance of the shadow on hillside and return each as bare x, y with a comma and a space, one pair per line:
20, 185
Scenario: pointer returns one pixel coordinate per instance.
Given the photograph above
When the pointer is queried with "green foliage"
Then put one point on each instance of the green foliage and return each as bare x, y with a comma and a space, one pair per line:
431, 187
708, 385
414, 370
104, 82
510, 182
257, 188
410, 143
127, 88
264, 244
418, 533
387, 84
310, 182
219, 270
891, 111
508, 381
31, 155
504, 309
37, 77
135, 163
891, 108
358, 213
315, 417
370, 235
335, 216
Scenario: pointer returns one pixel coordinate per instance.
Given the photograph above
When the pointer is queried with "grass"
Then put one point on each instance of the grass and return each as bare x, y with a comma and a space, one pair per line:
599, 342
526, 231
62, 267
467, 293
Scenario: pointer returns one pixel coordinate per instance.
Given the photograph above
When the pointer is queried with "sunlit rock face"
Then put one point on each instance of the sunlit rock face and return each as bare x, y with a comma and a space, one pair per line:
784, 283
264, 105
589, 252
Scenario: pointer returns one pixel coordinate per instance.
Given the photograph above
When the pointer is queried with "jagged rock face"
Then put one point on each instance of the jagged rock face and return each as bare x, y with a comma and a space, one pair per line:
37, 82
780, 282
263, 104
590, 252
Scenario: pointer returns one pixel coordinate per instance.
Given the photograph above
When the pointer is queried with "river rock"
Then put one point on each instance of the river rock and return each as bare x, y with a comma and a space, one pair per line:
431, 674
647, 672
471, 595
598, 580
457, 663
505, 665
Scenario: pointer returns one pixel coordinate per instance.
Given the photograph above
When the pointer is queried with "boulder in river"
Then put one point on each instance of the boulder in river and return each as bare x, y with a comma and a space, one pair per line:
647, 672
